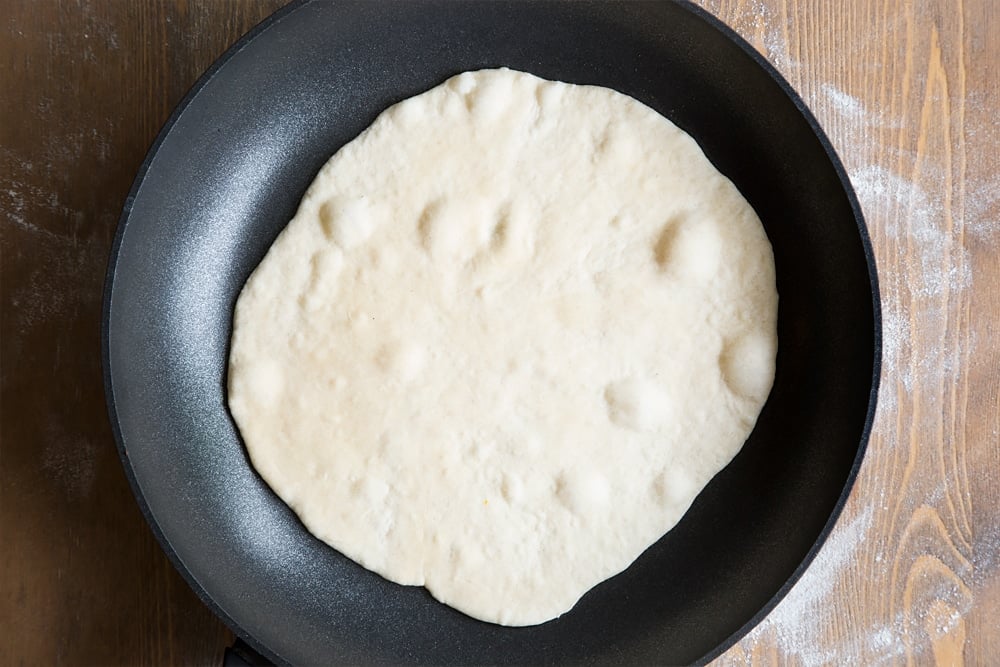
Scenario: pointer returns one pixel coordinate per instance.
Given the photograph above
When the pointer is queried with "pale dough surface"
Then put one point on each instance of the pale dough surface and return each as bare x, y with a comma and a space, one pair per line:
512, 331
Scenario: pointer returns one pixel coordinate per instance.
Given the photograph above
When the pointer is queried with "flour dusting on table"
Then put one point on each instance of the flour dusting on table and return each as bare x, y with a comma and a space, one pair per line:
915, 223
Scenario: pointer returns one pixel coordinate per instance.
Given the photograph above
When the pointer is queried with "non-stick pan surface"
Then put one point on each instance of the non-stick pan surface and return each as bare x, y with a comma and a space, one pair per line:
226, 175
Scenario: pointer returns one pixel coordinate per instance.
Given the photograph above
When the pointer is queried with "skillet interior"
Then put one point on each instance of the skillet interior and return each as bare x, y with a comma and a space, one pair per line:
226, 175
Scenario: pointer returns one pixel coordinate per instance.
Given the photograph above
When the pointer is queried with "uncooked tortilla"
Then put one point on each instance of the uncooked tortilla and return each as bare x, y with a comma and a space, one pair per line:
512, 331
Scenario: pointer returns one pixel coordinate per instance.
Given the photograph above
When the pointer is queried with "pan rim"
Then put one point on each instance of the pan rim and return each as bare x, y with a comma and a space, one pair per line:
870, 263
687, 5
109, 390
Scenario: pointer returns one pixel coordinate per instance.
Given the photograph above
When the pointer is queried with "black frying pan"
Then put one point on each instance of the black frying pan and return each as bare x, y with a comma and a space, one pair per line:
226, 174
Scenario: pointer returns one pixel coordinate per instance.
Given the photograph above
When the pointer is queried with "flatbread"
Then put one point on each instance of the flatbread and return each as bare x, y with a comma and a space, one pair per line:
512, 331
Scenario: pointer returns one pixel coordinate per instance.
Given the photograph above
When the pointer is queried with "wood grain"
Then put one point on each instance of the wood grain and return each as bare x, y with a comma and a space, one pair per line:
86, 86
907, 92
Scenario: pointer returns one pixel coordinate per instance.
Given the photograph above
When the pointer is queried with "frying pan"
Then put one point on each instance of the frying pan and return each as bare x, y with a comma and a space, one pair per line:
226, 174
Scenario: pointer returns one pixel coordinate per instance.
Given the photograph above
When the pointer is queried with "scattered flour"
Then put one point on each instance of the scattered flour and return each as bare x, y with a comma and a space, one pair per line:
56, 297
921, 235
854, 111
70, 460
843, 103
913, 231
795, 621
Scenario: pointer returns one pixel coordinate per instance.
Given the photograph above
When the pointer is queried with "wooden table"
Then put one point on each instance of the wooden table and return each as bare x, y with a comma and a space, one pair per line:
907, 91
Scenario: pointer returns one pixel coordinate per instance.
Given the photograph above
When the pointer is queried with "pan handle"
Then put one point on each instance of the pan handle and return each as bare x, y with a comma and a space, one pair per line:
241, 655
